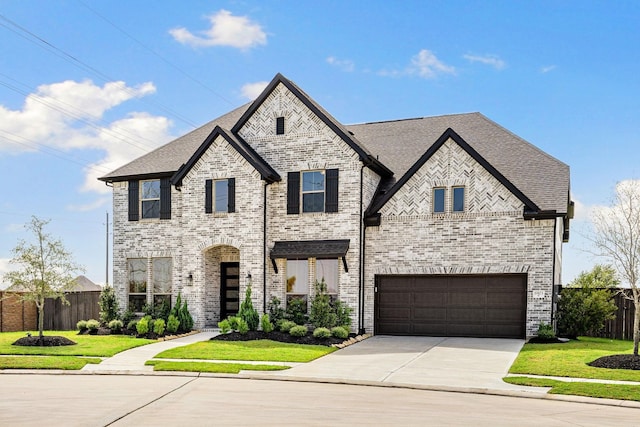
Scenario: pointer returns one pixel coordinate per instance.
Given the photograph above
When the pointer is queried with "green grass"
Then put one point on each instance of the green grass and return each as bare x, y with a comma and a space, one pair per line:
45, 362
218, 368
605, 391
87, 345
258, 350
570, 359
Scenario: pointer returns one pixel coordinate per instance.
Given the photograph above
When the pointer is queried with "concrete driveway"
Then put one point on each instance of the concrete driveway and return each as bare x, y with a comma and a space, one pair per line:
456, 363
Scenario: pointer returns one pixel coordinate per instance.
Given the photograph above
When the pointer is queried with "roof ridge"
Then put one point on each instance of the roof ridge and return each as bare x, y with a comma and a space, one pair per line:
412, 118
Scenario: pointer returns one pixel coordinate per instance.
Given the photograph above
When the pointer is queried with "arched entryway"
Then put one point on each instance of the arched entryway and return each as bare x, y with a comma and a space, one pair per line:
222, 283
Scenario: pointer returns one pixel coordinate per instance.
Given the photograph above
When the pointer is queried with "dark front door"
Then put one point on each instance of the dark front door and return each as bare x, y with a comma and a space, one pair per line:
230, 289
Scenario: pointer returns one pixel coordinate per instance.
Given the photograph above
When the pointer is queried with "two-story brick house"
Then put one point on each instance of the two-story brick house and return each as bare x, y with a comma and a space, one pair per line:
446, 225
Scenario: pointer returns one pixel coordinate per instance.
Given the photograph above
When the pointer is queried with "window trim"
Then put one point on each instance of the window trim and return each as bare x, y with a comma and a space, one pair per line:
453, 198
142, 199
324, 190
444, 200
146, 281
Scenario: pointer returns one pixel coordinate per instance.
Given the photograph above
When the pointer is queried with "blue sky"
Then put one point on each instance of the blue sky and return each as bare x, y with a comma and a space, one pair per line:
86, 86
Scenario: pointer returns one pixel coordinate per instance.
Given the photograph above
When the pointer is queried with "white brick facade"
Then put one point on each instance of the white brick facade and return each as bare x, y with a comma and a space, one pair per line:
489, 237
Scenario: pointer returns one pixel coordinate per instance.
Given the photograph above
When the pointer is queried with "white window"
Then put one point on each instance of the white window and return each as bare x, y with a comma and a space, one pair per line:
327, 270
161, 278
297, 276
137, 283
150, 199
313, 185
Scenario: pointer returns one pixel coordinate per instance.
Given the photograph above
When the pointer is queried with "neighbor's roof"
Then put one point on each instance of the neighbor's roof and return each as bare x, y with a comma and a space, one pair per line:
399, 144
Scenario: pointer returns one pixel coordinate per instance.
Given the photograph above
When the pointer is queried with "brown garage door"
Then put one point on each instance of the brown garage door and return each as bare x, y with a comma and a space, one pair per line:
470, 306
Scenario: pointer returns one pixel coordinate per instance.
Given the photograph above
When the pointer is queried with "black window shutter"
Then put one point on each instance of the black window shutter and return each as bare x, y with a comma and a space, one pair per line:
280, 126
134, 201
231, 204
165, 198
293, 192
208, 196
331, 196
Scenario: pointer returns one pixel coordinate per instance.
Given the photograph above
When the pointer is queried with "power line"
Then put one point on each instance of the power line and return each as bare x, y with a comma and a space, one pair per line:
166, 61
46, 45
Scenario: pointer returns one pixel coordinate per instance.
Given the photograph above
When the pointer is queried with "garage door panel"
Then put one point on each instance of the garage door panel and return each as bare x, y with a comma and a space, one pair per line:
439, 305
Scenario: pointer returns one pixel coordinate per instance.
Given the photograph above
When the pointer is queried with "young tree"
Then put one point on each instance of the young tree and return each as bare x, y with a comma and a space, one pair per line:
44, 269
616, 237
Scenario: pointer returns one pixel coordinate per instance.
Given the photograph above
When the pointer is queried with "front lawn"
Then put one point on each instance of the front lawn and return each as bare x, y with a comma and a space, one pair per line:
258, 350
570, 359
218, 368
604, 391
46, 362
87, 345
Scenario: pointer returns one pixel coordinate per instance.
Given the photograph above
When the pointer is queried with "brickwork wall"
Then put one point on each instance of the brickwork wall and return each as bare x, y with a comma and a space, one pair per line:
490, 237
17, 315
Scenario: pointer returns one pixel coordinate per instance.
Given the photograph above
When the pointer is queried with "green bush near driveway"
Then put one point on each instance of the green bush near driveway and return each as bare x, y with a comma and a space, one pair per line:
212, 367
257, 350
570, 359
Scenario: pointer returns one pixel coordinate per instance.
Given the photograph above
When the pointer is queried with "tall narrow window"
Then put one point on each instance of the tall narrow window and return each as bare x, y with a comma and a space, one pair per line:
438, 200
222, 195
137, 283
313, 191
458, 199
280, 126
161, 278
297, 276
150, 199
327, 270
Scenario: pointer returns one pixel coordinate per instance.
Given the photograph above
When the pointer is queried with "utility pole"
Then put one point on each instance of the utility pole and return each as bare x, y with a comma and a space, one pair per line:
107, 253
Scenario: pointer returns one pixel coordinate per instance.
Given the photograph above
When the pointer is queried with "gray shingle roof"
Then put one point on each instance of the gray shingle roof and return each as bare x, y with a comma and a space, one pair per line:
399, 144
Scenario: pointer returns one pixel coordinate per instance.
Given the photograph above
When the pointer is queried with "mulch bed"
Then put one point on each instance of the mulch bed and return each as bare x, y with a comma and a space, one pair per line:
555, 340
617, 361
48, 341
280, 337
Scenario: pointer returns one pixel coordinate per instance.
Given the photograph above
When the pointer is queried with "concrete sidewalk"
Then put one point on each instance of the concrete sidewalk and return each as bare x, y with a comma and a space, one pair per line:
133, 360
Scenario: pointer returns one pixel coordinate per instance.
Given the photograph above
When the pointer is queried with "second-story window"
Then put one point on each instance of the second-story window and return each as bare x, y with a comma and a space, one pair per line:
458, 199
313, 191
150, 199
220, 195
438, 200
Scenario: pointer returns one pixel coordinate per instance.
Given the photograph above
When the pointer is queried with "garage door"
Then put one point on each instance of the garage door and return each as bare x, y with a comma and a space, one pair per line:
469, 306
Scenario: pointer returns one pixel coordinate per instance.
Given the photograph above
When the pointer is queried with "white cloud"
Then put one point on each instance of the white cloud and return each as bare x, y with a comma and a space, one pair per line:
226, 30
252, 90
68, 117
98, 203
425, 65
492, 60
5, 267
343, 64
547, 69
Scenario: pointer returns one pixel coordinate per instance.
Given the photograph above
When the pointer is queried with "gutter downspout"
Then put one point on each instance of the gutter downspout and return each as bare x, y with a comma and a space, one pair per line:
264, 248
361, 329
553, 271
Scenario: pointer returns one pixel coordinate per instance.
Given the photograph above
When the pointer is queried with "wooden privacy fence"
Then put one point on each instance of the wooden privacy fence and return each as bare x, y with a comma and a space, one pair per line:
16, 315
620, 328
62, 317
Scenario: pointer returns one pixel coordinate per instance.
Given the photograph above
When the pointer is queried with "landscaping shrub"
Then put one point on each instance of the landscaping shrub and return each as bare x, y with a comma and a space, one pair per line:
181, 312
172, 324
159, 327
233, 322
545, 331
321, 314
286, 325
152, 323
224, 326
243, 326
276, 312
81, 325
247, 312
93, 325
298, 331
116, 325
321, 333
297, 311
132, 325
162, 310
266, 324
108, 305
127, 316
584, 310
142, 327
340, 332
343, 314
